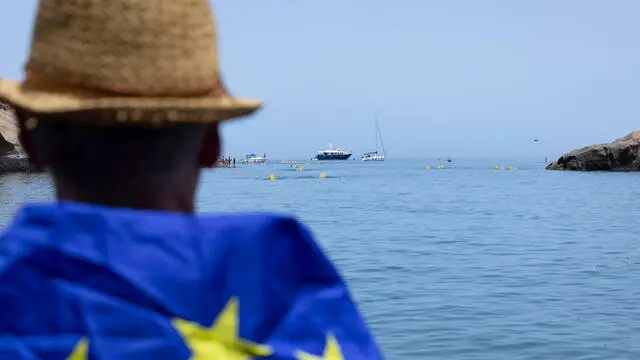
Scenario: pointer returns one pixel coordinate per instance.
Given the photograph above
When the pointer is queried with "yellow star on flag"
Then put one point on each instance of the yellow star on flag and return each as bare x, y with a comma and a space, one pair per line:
332, 351
80, 351
221, 340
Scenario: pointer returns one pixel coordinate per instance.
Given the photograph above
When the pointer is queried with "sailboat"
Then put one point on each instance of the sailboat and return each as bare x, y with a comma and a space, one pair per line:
375, 155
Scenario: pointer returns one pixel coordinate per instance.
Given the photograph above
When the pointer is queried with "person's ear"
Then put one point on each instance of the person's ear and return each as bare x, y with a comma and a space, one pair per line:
210, 151
27, 125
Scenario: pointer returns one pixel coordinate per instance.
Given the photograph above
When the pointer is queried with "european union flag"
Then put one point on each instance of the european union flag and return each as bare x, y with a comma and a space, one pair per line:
81, 281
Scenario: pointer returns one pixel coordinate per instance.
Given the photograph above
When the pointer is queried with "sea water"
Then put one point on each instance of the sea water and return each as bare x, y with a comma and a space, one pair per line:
465, 262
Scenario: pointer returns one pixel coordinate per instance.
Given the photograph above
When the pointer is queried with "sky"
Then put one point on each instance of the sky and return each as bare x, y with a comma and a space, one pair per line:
459, 78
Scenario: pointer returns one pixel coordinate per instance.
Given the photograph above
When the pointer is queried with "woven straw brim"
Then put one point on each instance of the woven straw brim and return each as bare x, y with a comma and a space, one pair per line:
44, 99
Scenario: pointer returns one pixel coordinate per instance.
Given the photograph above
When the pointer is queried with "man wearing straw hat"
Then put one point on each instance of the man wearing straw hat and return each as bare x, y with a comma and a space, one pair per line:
121, 104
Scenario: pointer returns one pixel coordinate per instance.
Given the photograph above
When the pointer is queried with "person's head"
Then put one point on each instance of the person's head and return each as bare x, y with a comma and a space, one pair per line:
136, 166
125, 114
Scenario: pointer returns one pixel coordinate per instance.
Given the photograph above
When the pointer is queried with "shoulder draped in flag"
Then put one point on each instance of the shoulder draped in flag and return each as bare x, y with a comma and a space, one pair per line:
87, 282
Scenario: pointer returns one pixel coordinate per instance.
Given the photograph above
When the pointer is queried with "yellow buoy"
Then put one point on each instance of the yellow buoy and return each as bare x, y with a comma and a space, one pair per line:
428, 167
301, 168
272, 177
323, 176
497, 167
510, 168
441, 166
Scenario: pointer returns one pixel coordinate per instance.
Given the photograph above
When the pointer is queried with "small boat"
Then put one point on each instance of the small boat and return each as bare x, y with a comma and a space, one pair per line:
374, 155
253, 159
333, 153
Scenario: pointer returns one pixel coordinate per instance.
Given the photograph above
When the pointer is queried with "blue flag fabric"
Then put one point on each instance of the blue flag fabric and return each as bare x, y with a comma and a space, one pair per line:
80, 281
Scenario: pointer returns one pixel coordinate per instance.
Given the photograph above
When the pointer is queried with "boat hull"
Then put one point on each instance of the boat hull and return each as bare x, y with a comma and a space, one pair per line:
254, 161
373, 158
333, 156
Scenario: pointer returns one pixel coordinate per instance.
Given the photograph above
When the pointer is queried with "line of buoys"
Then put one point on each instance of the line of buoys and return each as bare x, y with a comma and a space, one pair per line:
495, 167
273, 176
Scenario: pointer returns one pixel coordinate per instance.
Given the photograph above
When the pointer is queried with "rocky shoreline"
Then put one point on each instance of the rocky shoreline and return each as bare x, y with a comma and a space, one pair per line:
620, 155
15, 163
11, 157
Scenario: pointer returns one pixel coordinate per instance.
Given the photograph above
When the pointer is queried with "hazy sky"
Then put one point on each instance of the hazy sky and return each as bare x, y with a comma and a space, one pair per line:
446, 78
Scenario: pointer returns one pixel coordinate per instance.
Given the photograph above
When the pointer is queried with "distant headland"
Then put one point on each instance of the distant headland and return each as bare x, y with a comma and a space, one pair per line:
620, 155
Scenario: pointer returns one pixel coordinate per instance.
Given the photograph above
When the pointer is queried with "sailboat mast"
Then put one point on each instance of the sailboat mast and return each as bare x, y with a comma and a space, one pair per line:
379, 136
375, 132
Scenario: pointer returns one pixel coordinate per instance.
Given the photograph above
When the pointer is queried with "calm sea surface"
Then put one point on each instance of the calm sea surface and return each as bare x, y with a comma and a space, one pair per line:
466, 262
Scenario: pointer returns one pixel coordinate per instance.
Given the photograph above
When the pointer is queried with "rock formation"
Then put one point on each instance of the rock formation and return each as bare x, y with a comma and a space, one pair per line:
11, 157
620, 155
8, 129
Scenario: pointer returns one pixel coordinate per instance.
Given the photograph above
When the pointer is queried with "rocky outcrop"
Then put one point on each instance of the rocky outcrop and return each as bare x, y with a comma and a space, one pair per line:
8, 129
620, 155
11, 157
15, 163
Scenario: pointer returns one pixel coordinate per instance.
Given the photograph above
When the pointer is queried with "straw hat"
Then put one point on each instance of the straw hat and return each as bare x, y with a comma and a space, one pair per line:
131, 60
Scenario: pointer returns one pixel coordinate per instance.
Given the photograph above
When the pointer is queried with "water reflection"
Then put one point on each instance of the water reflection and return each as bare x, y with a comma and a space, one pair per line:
16, 189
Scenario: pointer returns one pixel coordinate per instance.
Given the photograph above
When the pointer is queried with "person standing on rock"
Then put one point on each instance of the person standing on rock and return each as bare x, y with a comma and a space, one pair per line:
121, 104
